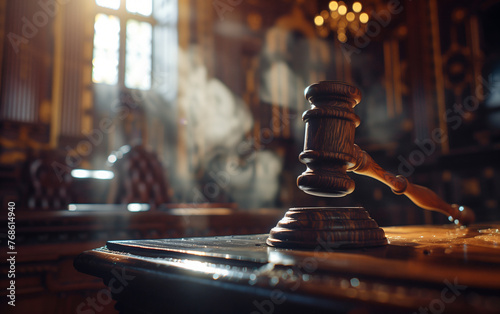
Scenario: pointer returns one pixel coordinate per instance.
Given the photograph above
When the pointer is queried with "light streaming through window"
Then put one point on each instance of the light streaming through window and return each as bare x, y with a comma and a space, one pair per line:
106, 49
111, 4
143, 7
138, 55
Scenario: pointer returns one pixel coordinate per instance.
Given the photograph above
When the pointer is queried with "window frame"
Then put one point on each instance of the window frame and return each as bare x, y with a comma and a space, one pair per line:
124, 16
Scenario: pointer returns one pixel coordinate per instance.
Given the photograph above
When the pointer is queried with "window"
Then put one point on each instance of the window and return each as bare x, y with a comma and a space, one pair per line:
123, 43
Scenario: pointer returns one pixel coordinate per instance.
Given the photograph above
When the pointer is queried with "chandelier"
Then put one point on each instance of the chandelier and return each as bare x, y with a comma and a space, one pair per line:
342, 20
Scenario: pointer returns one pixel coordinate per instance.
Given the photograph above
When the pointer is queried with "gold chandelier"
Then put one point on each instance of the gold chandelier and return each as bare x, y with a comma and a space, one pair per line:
342, 20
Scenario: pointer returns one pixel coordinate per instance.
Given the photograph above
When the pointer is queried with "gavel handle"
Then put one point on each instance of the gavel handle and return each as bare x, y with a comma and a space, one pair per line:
421, 196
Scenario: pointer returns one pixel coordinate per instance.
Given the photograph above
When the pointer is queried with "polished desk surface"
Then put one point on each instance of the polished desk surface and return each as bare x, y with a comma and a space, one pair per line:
424, 269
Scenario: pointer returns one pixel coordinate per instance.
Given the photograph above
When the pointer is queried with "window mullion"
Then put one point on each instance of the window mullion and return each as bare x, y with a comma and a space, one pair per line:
123, 44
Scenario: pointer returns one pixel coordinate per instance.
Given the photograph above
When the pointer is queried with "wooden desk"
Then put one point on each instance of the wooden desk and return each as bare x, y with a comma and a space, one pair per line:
424, 269
47, 242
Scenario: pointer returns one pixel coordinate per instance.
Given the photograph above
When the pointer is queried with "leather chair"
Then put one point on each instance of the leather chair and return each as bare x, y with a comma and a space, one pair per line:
139, 177
49, 182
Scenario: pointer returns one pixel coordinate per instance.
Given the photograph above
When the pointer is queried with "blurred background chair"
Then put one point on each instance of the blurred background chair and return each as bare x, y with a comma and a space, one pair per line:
48, 182
139, 177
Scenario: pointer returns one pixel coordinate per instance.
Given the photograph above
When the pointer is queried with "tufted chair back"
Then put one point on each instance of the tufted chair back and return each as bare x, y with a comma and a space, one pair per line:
49, 183
139, 177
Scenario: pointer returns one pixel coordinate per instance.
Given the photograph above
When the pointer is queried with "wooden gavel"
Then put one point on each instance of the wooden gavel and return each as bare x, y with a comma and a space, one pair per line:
329, 152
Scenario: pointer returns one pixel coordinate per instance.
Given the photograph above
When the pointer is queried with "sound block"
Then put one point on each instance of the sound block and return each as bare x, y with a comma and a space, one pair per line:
326, 227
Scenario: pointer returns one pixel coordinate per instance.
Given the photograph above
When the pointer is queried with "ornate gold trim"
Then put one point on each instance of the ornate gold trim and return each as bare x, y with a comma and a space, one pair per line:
57, 79
438, 72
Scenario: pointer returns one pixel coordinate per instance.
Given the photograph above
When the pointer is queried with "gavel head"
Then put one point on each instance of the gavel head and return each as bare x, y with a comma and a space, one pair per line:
329, 139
